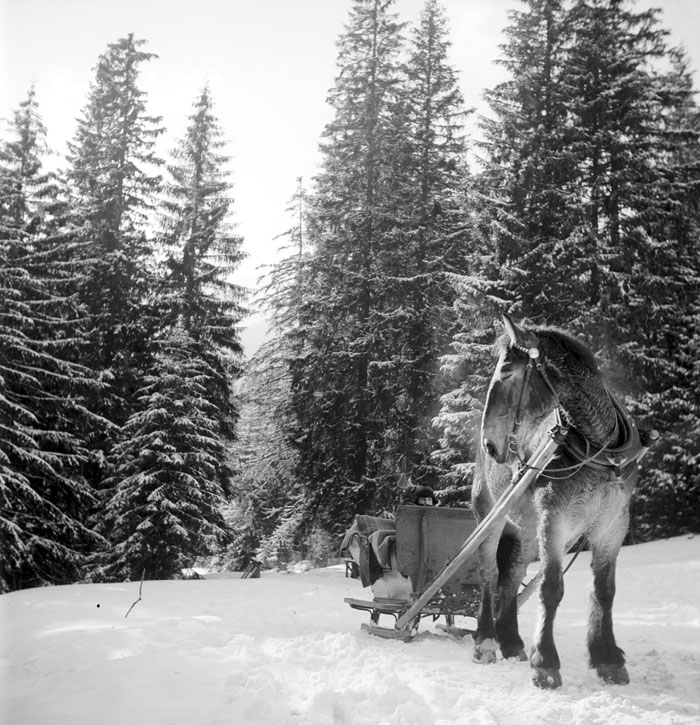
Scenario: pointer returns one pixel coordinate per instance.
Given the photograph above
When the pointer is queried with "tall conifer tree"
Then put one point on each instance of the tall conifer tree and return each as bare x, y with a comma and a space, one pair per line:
202, 245
339, 400
665, 501
528, 184
43, 499
113, 179
436, 243
203, 250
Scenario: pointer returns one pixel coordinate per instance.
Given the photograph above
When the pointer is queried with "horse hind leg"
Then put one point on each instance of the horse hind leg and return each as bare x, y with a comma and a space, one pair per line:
606, 657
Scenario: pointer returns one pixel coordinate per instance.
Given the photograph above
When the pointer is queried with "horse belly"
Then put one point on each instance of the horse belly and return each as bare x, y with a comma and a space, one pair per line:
592, 503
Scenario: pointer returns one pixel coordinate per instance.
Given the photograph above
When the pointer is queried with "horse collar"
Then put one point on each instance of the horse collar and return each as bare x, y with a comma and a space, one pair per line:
617, 458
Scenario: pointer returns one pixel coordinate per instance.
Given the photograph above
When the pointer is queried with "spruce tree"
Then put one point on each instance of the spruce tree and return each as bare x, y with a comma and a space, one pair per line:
165, 504
468, 366
43, 499
666, 499
113, 179
284, 284
268, 511
203, 250
339, 398
436, 242
528, 185
21, 157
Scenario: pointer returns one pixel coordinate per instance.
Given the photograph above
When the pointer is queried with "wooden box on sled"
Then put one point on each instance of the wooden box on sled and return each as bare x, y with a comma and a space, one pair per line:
426, 540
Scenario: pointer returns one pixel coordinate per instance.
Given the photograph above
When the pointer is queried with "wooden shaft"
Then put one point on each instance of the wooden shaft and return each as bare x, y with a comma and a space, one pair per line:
538, 461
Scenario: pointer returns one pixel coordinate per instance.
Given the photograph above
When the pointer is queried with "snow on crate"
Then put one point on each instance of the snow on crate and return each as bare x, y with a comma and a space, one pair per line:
284, 649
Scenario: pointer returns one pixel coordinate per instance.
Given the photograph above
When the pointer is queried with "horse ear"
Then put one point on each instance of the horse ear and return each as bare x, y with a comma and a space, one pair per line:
519, 337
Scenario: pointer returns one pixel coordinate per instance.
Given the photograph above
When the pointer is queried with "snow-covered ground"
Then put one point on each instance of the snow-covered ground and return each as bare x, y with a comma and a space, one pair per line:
286, 649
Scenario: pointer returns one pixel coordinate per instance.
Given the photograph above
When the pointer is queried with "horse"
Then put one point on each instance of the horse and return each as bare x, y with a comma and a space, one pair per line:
544, 377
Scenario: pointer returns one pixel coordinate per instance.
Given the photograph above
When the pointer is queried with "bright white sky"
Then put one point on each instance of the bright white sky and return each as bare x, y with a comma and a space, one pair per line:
269, 64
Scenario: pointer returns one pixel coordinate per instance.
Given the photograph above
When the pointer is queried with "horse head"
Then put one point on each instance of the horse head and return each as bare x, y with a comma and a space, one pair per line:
521, 405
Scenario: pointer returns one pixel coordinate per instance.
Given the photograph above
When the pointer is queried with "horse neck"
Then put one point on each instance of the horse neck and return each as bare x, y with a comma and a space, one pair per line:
587, 403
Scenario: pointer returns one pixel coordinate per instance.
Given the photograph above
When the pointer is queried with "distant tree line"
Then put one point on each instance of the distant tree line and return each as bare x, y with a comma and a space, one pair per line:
123, 447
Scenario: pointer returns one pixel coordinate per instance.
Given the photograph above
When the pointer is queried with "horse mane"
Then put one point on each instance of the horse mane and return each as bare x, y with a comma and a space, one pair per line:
583, 392
559, 346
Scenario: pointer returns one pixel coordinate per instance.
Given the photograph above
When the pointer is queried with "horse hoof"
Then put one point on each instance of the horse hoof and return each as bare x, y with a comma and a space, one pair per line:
546, 679
485, 653
514, 653
613, 674
484, 658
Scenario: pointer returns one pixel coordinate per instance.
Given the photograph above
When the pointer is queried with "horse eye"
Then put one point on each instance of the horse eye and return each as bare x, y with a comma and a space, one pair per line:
506, 371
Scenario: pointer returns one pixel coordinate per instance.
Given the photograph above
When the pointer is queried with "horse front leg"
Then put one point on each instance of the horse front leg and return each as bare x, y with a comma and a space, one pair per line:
485, 635
545, 659
606, 657
514, 554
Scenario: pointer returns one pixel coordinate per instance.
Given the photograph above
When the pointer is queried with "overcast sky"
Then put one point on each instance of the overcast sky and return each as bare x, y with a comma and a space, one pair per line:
269, 64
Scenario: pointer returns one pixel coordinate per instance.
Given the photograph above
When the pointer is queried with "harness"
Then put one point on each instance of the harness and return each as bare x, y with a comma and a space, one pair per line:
618, 461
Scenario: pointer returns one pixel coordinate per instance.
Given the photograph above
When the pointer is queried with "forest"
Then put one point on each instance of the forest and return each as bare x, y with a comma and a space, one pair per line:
135, 438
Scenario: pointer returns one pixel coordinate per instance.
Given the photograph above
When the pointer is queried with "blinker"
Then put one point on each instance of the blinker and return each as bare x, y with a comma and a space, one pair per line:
533, 353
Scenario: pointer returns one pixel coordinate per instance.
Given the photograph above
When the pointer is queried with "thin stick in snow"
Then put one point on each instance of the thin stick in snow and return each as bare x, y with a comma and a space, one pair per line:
139, 599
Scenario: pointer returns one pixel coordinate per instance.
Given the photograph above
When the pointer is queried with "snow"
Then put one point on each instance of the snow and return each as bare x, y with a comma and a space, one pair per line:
286, 649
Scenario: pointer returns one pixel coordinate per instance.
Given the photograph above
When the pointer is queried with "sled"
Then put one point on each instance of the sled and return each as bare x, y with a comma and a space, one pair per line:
437, 548
426, 540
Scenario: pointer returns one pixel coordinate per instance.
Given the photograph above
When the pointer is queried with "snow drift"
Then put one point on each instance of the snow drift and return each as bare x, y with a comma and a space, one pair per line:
286, 649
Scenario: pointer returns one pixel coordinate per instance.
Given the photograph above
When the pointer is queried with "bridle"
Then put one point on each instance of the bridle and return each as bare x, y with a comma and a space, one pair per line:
534, 362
